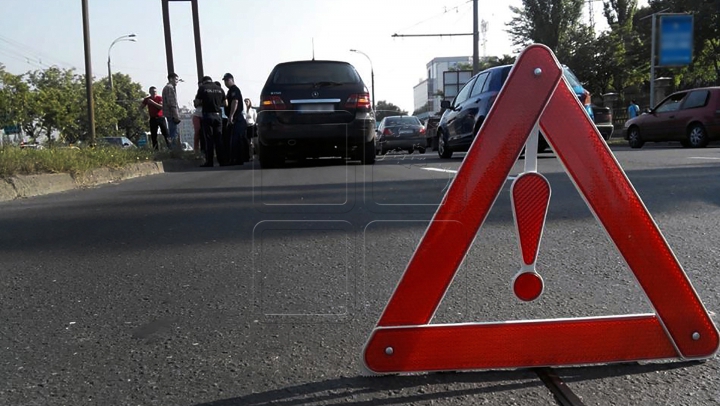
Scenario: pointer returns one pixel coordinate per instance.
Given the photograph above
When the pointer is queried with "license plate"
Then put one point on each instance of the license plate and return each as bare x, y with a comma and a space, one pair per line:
316, 108
406, 131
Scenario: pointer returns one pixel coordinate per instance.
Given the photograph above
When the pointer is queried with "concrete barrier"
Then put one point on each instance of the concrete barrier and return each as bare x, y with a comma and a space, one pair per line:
37, 185
7, 191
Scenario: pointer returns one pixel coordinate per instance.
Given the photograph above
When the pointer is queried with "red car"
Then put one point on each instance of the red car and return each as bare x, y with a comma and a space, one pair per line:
690, 116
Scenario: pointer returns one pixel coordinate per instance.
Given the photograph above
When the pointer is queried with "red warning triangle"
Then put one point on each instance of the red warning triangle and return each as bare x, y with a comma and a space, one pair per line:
535, 92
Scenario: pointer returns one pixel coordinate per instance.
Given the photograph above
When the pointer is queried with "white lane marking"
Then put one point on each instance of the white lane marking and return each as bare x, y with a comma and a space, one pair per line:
703, 157
440, 170
454, 171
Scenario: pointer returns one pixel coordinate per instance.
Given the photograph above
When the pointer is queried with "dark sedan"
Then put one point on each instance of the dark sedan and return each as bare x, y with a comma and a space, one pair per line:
690, 116
401, 133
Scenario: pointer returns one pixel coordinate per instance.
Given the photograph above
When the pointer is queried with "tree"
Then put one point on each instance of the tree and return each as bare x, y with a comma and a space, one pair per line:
55, 105
384, 109
424, 109
547, 22
14, 100
130, 95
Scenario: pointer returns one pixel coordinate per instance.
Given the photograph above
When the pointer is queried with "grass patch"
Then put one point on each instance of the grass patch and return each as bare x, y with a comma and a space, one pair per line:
16, 161
617, 140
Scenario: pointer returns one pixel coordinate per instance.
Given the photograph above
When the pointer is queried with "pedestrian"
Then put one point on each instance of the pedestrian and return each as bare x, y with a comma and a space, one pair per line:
171, 110
251, 119
225, 129
154, 104
633, 109
239, 145
211, 98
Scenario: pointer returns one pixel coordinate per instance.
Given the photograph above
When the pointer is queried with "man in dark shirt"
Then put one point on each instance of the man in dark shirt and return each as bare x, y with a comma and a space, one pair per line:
154, 104
239, 143
212, 98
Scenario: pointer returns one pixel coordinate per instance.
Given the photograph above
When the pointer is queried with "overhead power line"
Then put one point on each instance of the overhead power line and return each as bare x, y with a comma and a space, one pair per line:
445, 11
34, 53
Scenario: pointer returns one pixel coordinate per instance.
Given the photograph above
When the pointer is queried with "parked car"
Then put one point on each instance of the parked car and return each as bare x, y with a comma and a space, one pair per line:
31, 145
464, 116
690, 116
602, 116
431, 126
400, 133
122, 142
315, 109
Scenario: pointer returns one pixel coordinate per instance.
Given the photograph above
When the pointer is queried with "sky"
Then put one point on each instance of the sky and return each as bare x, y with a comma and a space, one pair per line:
249, 37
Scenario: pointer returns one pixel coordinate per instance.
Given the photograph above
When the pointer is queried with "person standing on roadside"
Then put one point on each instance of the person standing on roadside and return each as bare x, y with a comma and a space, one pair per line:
211, 98
154, 104
171, 109
239, 146
633, 109
251, 118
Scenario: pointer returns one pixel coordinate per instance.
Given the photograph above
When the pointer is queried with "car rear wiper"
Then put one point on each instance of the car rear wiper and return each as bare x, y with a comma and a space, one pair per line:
326, 83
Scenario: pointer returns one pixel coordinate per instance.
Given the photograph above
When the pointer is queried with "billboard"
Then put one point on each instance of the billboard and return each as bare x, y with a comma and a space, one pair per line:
676, 39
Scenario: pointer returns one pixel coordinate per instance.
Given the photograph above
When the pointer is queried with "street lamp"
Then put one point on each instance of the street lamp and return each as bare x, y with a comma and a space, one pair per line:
372, 75
130, 37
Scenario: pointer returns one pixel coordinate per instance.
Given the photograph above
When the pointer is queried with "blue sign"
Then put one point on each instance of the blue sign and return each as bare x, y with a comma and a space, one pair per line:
11, 129
676, 39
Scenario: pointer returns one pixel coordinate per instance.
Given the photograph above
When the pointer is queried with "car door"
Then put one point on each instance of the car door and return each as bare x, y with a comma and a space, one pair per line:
661, 123
471, 107
456, 109
690, 110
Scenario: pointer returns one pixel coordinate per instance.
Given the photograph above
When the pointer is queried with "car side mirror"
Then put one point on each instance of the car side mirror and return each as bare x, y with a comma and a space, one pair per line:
445, 104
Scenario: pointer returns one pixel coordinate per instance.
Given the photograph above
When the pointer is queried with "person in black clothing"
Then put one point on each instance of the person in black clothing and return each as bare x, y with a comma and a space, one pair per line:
212, 98
239, 143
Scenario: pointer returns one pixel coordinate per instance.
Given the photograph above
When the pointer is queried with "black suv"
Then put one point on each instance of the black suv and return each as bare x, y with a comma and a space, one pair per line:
312, 109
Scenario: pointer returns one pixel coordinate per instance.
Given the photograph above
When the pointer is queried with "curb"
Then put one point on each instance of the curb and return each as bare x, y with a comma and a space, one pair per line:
23, 186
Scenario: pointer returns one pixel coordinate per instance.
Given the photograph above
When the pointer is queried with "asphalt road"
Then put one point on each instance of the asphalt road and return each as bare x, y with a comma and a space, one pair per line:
240, 286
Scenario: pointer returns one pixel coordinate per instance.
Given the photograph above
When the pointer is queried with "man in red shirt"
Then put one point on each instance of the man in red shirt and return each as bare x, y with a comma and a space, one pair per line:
155, 110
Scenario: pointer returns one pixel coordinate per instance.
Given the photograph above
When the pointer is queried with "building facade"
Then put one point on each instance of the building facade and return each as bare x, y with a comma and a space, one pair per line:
426, 92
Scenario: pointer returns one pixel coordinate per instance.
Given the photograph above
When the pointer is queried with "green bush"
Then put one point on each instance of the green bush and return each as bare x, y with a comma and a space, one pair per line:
17, 161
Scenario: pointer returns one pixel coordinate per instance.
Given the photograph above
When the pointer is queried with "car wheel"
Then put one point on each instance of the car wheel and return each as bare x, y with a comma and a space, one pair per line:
421, 150
697, 136
444, 150
634, 138
410, 150
368, 157
269, 158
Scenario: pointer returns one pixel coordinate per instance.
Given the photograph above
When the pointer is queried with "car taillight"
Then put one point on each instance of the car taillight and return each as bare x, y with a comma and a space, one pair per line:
387, 131
422, 130
272, 103
358, 101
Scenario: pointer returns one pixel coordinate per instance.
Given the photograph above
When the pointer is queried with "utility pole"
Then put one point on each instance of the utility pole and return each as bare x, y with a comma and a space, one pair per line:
476, 39
475, 34
652, 56
88, 72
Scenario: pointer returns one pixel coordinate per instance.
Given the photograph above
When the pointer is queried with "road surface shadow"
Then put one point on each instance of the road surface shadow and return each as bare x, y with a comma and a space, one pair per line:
380, 390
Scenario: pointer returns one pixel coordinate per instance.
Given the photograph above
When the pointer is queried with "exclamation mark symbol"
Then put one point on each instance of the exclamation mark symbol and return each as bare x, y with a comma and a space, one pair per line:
530, 194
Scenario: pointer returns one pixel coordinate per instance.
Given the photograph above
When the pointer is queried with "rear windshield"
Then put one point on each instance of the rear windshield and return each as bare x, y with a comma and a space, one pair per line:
402, 121
314, 72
